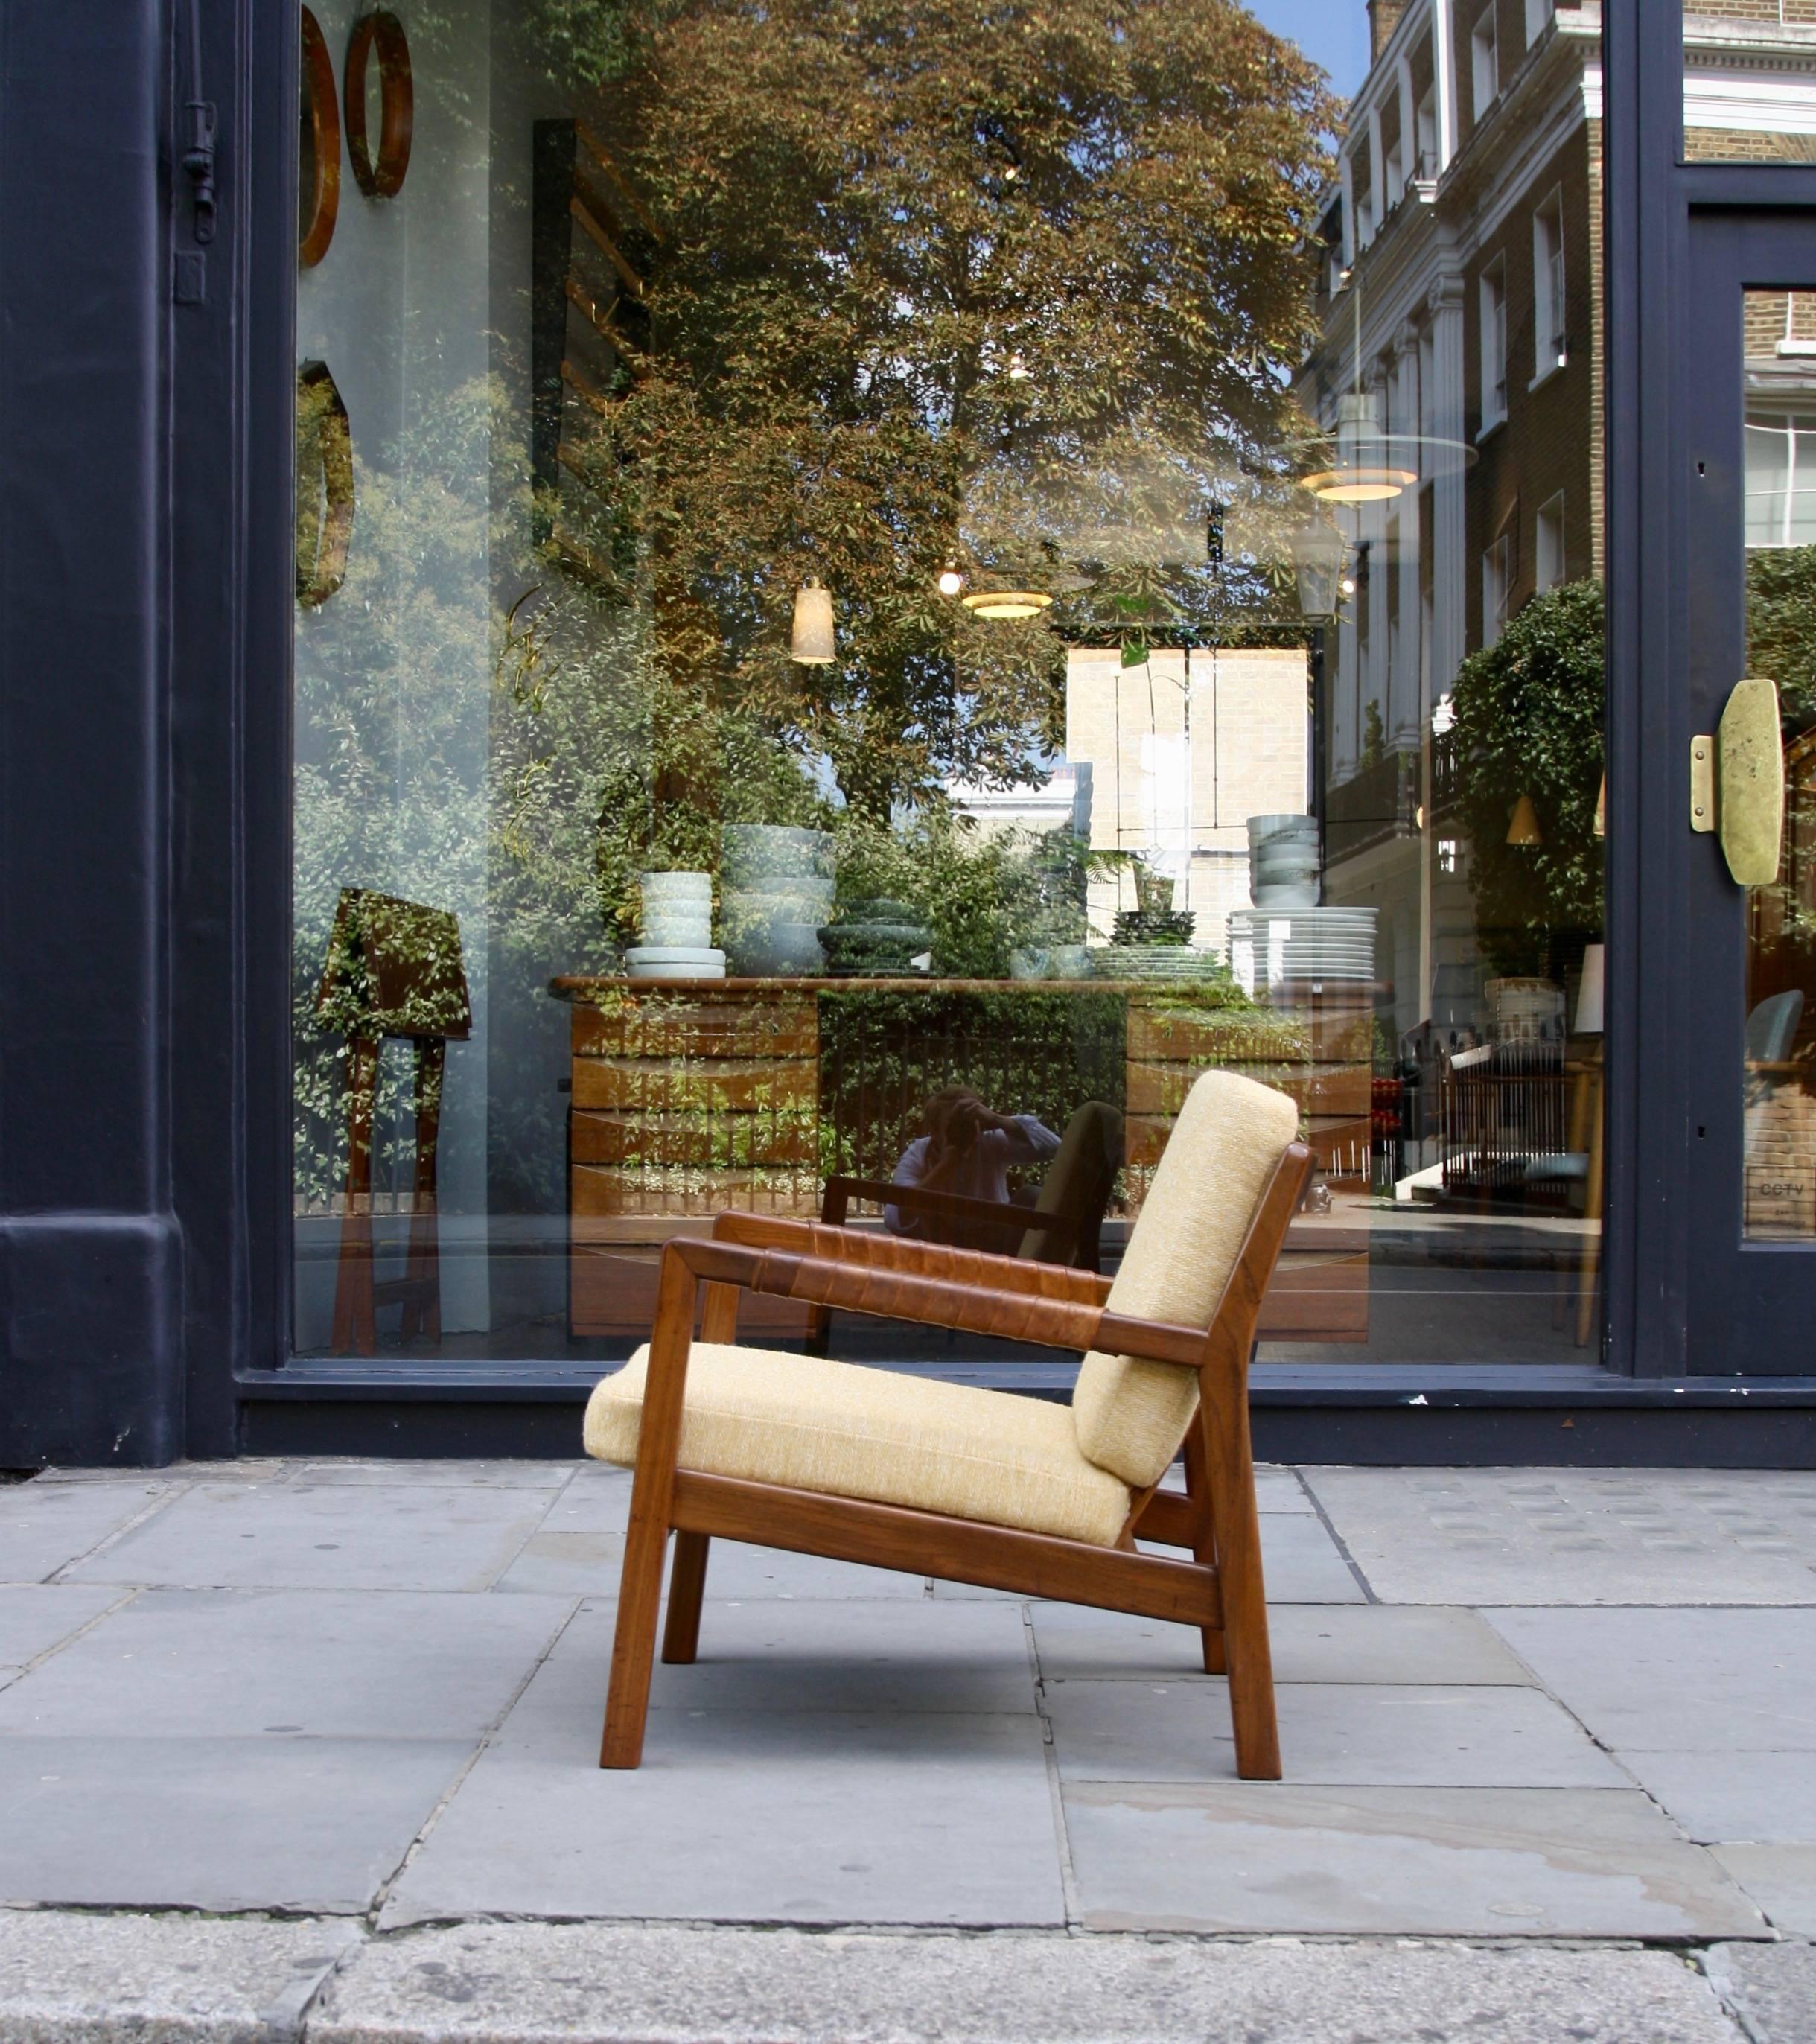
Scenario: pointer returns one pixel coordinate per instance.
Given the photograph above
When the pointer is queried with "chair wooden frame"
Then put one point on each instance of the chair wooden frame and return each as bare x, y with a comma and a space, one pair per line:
1219, 1590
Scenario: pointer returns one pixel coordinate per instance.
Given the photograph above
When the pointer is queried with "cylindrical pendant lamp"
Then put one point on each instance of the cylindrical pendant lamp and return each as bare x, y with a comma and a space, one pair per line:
812, 642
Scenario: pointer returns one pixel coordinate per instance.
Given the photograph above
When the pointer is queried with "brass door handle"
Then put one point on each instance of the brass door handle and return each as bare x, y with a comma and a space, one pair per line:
1737, 783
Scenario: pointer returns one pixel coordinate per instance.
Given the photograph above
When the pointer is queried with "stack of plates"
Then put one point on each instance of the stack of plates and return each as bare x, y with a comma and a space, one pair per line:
674, 961
1269, 946
1167, 963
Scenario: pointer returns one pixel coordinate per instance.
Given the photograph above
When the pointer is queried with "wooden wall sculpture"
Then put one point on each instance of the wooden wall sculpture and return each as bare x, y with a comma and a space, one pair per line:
319, 166
324, 486
383, 30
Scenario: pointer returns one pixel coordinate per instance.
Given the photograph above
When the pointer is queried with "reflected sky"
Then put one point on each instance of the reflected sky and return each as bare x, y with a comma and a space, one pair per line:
1332, 32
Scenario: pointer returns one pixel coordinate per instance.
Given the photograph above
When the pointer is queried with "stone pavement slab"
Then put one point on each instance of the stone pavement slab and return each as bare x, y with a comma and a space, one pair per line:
1717, 1681
908, 1814
1462, 1862
404, 1536
45, 1526
568, 1565
532, 1984
1331, 1733
320, 1664
35, 1616
595, 1499
1771, 1987
1758, 1797
1312, 1643
1480, 1536
222, 1824
95, 1980
853, 1657
452, 1474
1781, 1880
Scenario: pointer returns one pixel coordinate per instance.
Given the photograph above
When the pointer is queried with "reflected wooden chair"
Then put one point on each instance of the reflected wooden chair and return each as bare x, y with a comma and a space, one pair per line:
1064, 1225
393, 971
899, 1472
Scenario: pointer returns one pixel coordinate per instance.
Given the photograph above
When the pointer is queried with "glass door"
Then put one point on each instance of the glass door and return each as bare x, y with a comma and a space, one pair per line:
1752, 798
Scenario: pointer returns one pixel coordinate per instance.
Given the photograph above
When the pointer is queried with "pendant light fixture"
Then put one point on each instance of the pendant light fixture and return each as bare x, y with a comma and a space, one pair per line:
1361, 462
812, 641
1523, 829
1361, 472
1008, 602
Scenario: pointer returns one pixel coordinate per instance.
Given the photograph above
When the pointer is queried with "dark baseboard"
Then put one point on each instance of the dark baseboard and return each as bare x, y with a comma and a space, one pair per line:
1382, 1415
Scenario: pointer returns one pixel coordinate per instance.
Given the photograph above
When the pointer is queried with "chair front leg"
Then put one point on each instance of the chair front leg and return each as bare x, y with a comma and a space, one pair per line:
652, 1502
1229, 1467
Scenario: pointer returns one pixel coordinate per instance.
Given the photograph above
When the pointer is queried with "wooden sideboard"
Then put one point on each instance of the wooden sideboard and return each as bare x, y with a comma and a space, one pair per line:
689, 1096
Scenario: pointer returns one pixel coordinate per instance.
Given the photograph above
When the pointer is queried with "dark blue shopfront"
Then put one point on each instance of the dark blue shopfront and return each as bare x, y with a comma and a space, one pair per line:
608, 636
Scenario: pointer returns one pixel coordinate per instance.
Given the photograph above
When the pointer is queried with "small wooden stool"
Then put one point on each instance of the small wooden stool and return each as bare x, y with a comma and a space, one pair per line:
393, 971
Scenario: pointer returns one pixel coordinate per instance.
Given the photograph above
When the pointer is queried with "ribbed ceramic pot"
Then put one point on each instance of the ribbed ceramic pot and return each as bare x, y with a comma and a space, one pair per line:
754, 855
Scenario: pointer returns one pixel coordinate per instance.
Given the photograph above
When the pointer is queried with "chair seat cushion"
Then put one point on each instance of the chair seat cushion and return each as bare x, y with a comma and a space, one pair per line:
845, 1432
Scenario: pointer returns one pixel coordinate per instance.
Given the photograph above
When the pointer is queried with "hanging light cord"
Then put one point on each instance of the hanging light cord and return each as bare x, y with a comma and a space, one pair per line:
198, 158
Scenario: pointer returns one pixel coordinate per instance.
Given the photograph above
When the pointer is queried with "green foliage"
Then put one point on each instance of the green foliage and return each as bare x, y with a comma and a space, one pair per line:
1018, 292
1529, 722
883, 1055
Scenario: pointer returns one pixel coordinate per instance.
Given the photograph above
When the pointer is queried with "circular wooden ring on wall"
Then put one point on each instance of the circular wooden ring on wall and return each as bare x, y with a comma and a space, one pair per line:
324, 485
385, 178
321, 168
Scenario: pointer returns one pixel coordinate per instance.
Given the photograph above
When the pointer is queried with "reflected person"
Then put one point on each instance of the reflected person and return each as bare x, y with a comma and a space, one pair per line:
969, 1149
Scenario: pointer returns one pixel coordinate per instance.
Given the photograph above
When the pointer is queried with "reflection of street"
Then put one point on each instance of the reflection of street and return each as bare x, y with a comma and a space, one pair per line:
1445, 1285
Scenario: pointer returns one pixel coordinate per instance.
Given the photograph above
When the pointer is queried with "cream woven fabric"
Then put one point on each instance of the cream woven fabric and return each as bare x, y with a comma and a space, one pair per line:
846, 1431
1230, 1133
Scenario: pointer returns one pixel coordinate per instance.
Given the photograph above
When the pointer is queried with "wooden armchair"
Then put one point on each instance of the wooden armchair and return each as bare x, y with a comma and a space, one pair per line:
983, 1487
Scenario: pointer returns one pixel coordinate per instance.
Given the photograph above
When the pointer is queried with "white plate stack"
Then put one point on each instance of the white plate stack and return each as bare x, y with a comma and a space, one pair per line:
1284, 862
677, 926
1269, 946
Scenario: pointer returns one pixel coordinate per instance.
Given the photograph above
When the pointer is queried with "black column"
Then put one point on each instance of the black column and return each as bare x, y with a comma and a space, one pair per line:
91, 1261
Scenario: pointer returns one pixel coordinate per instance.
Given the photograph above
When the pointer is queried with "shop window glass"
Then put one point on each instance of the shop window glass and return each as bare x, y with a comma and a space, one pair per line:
825, 578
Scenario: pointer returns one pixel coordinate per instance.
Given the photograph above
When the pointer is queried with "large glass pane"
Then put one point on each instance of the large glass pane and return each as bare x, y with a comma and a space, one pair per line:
879, 588
1780, 1100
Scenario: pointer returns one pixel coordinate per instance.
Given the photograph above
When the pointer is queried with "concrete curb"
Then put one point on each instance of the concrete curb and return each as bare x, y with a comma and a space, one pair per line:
70, 1978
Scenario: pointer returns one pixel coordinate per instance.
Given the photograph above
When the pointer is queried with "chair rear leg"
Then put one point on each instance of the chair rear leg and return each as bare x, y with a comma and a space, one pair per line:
1237, 1533
1204, 1537
686, 1588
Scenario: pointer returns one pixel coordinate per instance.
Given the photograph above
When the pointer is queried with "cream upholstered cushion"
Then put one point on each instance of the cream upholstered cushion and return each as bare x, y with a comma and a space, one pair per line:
1230, 1133
846, 1431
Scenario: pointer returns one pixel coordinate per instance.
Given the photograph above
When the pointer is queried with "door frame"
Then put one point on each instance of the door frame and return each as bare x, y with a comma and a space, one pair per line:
1653, 861
1740, 1294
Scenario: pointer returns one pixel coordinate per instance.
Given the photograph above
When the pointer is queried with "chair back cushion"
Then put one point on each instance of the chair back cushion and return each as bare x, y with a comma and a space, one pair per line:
1079, 1177
1232, 1133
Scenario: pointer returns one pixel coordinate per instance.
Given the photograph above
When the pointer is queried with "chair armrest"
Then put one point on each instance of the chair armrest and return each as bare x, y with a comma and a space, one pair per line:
897, 1294
924, 1259
1003, 1215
